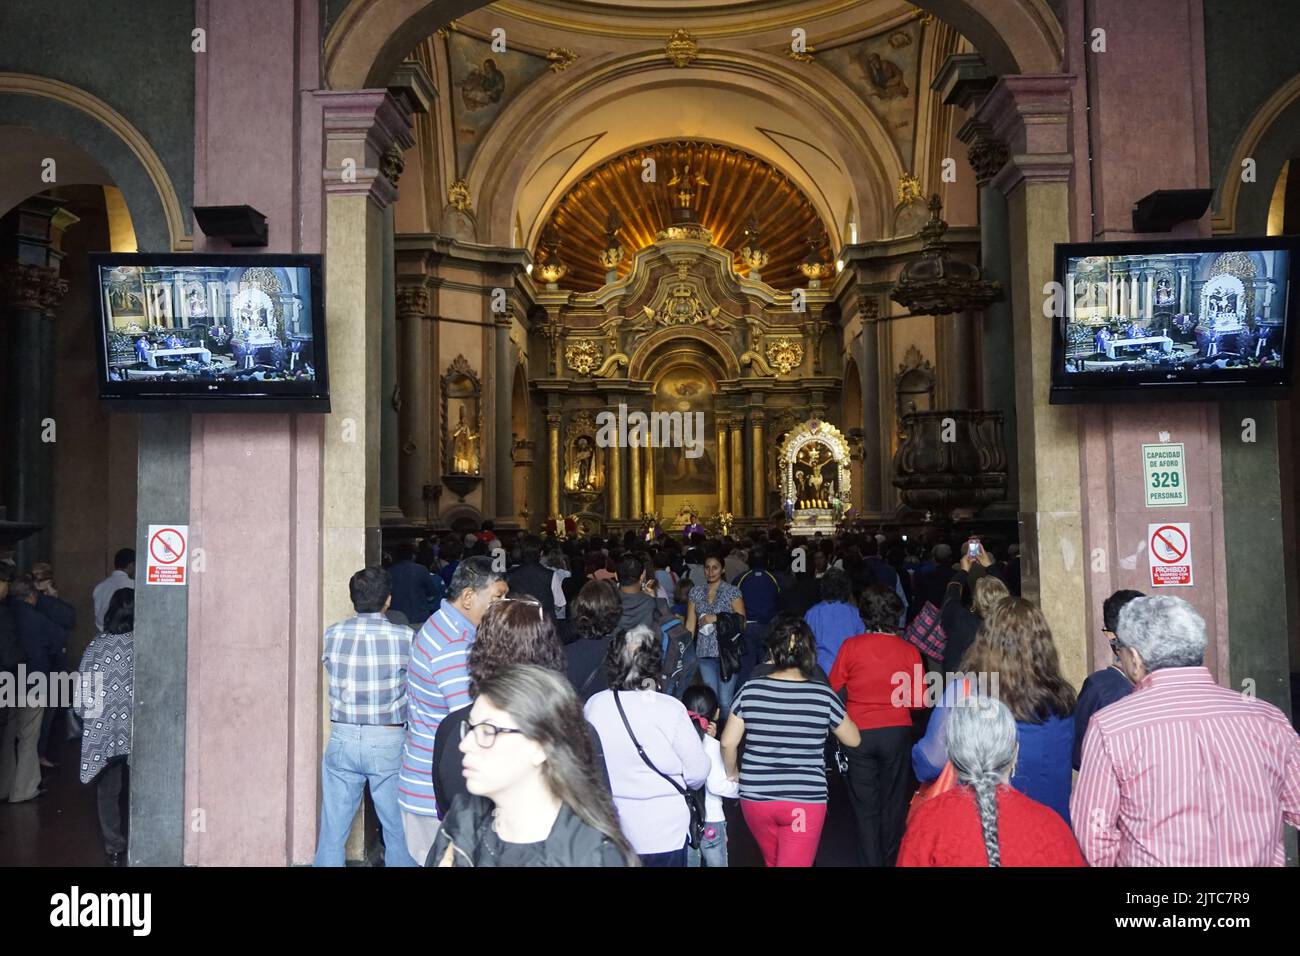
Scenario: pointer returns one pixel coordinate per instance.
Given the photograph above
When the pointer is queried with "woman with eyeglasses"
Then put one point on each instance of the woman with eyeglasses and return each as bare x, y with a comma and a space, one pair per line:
514, 630
534, 797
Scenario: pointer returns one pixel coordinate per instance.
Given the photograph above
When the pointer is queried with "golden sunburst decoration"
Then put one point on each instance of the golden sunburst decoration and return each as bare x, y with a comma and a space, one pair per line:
744, 190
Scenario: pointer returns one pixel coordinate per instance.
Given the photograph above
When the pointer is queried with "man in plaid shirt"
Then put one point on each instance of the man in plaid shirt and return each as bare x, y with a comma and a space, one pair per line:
366, 658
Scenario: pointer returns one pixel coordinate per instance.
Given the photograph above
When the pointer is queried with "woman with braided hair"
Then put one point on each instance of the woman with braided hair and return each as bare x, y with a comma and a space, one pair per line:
983, 821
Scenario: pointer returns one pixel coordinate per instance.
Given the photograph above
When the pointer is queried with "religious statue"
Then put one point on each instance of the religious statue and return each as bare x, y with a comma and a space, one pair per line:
583, 457
464, 450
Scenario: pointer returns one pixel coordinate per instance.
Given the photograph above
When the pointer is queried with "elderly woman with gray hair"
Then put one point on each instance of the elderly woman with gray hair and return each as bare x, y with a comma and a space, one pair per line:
652, 749
983, 821
1183, 772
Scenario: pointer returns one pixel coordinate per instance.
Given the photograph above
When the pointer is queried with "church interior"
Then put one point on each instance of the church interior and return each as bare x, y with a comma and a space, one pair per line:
806, 241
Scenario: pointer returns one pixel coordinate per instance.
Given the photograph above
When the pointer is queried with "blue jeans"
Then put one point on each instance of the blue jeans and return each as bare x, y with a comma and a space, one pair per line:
671, 858
713, 846
359, 754
711, 674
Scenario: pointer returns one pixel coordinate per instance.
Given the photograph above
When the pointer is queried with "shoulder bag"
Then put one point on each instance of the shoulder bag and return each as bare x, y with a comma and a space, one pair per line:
693, 802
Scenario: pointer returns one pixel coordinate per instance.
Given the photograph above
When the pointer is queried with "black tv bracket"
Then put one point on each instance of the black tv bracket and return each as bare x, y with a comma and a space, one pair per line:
239, 225
1163, 209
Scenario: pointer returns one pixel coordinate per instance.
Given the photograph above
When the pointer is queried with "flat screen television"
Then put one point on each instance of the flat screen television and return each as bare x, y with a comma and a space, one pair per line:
1197, 319
211, 332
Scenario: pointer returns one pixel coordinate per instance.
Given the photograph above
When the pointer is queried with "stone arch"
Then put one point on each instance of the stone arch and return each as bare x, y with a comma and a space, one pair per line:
852, 137
41, 103
370, 37
1270, 138
656, 353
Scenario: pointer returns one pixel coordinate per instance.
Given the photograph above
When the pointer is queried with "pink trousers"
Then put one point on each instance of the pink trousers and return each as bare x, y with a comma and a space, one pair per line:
787, 833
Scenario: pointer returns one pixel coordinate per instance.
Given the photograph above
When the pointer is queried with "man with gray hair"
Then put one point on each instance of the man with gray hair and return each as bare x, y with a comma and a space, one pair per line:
437, 682
1183, 772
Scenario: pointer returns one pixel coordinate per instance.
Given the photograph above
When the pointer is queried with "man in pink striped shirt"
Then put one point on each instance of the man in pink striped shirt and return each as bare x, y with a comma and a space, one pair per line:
1183, 772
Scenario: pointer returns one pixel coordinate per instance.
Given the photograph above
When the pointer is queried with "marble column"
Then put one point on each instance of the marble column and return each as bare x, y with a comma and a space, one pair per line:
650, 503
737, 507
1032, 114
634, 501
553, 468
758, 468
504, 439
968, 81
724, 453
390, 512
360, 128
30, 292
415, 461
615, 480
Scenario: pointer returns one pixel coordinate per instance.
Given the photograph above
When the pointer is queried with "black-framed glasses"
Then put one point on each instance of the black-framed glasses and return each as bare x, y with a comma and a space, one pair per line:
485, 734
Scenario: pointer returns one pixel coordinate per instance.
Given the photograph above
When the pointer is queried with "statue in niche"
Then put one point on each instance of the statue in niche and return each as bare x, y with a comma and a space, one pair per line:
464, 447
583, 457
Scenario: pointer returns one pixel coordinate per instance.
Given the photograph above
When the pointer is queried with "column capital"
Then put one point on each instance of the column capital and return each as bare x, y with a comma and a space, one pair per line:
1031, 114
26, 286
553, 419
413, 300
757, 417
366, 132
985, 152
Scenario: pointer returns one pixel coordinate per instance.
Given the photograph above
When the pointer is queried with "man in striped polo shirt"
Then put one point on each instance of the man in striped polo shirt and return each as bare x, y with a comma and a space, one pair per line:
437, 682
1183, 772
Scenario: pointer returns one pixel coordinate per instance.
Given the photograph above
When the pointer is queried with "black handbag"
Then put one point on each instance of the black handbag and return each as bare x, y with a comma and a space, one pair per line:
694, 798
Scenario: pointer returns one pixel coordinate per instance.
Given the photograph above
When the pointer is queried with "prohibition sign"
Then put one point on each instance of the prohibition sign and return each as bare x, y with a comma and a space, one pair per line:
167, 546
1169, 544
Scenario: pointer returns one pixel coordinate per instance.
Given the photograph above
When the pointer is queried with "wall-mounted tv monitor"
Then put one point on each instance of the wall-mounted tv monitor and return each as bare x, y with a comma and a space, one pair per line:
1198, 320
211, 332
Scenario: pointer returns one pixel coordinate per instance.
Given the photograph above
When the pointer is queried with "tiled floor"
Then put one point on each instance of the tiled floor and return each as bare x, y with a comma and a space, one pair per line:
58, 829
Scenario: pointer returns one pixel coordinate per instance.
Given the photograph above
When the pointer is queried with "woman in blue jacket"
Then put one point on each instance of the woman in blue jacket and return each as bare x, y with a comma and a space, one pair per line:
1014, 660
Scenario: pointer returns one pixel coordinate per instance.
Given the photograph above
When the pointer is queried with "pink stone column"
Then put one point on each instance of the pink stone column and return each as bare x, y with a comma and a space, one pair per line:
1146, 130
253, 703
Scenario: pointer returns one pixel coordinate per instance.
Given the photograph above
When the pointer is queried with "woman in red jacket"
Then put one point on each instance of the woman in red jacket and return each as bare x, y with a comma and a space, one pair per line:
982, 821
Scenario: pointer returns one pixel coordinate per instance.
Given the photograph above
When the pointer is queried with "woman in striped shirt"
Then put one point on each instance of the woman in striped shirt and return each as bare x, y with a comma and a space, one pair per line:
784, 719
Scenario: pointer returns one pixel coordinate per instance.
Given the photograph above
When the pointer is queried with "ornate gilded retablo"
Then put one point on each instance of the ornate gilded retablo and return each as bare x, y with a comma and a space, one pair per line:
583, 356
785, 354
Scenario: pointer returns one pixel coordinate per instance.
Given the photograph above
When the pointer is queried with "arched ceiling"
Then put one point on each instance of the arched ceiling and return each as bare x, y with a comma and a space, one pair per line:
739, 186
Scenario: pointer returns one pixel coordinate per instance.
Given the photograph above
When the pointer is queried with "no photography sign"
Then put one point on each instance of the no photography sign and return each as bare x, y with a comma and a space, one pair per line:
1170, 549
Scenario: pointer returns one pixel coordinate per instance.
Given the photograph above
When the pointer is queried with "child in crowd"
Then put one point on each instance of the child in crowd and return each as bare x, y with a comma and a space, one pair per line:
702, 705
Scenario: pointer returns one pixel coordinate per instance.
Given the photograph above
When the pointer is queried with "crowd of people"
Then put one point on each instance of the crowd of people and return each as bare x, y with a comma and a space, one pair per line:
596, 702
35, 627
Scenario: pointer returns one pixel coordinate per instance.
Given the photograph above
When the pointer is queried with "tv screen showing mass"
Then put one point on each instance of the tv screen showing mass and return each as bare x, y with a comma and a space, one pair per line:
1176, 313
208, 323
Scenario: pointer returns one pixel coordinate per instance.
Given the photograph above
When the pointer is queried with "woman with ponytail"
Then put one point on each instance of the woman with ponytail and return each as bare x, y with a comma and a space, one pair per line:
983, 821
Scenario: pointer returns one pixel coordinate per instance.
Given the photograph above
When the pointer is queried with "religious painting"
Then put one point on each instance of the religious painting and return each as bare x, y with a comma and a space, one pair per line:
885, 71
484, 82
688, 463
124, 292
